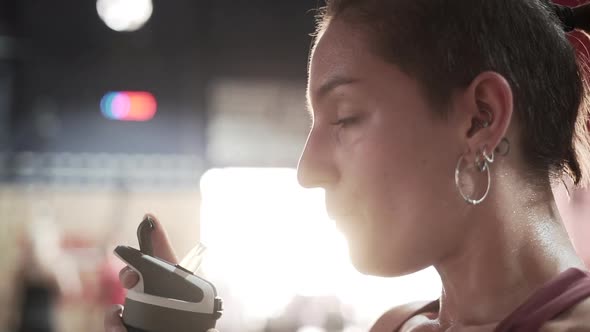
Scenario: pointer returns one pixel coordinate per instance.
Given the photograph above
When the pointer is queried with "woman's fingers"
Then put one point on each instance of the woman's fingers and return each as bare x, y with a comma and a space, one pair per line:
112, 320
161, 244
128, 277
162, 249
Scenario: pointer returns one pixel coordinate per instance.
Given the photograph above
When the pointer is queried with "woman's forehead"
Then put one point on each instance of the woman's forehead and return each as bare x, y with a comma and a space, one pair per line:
341, 55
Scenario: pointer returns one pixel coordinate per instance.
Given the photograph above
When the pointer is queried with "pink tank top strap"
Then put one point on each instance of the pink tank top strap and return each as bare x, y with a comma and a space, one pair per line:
557, 296
394, 319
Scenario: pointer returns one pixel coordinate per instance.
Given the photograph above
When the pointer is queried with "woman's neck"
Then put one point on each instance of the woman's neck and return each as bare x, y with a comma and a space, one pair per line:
516, 244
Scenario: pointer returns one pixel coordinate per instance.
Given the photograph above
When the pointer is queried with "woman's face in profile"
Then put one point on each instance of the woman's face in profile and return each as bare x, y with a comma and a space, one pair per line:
385, 160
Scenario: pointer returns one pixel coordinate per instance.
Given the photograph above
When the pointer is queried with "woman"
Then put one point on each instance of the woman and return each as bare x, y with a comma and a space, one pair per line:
438, 129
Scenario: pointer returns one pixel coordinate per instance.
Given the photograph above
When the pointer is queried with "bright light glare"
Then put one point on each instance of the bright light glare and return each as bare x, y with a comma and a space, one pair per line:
269, 239
124, 15
310, 329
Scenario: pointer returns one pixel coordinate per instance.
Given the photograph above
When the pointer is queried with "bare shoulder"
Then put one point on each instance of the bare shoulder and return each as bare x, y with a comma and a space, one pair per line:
575, 319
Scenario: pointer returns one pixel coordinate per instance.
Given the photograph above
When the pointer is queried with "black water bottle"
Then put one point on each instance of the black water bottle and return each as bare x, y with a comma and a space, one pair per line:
167, 297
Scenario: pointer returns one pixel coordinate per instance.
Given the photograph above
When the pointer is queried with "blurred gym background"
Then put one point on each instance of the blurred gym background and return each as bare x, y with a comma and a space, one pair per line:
194, 111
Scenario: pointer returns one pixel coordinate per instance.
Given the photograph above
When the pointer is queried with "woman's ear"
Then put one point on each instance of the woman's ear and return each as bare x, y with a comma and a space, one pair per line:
487, 106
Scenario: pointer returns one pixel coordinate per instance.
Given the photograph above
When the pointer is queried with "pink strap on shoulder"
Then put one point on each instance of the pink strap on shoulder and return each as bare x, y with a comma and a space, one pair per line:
394, 319
557, 296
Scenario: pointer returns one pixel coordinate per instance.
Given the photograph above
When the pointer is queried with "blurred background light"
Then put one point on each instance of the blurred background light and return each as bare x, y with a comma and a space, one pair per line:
128, 106
270, 242
124, 15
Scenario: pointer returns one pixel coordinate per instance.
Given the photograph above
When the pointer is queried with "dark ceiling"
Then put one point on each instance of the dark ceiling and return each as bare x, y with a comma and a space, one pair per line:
68, 58
231, 35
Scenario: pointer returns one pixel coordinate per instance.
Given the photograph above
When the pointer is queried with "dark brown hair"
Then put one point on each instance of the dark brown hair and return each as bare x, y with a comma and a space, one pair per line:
445, 44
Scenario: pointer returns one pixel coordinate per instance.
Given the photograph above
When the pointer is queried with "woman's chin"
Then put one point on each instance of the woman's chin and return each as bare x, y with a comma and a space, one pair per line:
376, 262
364, 260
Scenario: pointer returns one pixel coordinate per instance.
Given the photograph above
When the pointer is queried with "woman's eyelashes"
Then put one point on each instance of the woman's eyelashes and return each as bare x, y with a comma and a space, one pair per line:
347, 121
348, 129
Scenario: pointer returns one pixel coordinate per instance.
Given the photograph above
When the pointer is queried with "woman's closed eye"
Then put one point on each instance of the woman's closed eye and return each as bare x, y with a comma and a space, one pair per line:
348, 129
346, 121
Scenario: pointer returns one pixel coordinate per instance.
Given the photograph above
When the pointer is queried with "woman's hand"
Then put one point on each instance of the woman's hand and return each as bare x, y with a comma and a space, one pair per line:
162, 249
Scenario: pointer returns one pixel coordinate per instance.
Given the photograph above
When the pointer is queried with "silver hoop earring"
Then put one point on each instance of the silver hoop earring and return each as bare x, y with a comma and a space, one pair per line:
488, 158
484, 167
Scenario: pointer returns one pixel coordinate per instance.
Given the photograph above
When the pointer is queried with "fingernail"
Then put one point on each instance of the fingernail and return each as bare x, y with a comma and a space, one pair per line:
124, 272
125, 276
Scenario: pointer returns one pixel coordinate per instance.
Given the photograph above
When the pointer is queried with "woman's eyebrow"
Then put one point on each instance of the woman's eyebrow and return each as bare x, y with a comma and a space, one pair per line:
332, 83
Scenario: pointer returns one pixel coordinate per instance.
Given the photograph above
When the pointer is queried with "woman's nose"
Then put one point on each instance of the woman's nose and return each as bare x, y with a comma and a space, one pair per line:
316, 165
